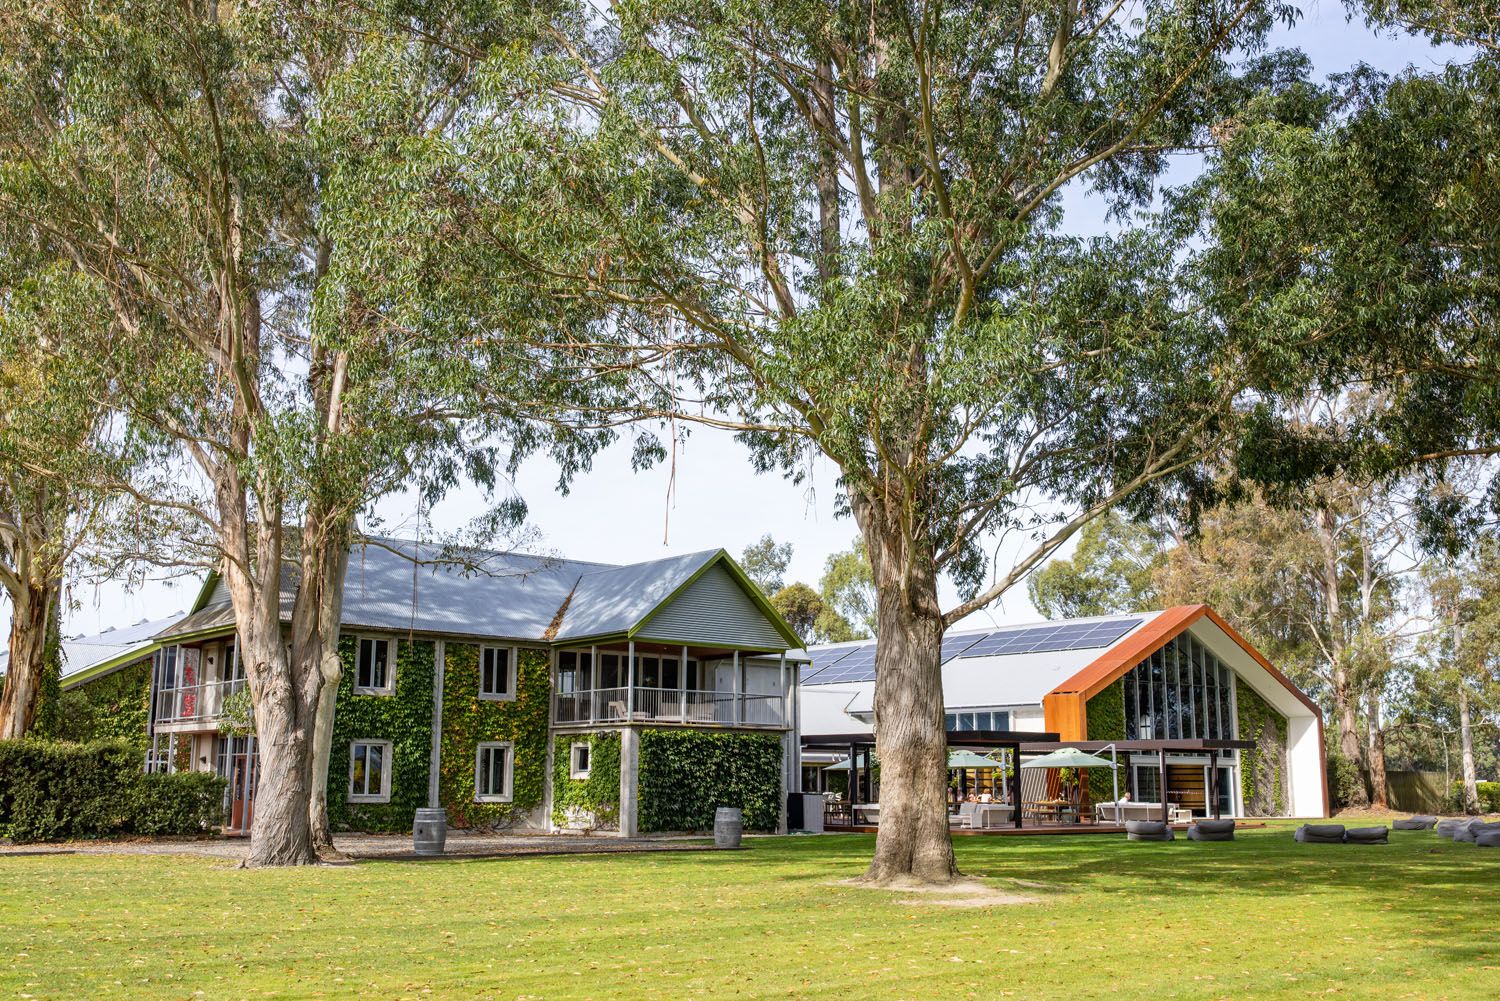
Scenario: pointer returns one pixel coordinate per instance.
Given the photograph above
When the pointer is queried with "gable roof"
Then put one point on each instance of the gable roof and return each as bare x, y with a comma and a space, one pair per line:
400, 585
85, 658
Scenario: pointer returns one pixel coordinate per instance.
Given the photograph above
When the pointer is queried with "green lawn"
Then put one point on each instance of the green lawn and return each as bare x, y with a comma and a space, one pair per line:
1259, 918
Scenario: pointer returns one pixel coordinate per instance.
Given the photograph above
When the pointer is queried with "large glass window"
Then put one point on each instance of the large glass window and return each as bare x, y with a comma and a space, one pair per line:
497, 673
1181, 691
374, 674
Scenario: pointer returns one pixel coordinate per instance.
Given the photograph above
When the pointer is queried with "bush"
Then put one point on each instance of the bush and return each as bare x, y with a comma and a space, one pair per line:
1489, 797
685, 775
1346, 786
54, 791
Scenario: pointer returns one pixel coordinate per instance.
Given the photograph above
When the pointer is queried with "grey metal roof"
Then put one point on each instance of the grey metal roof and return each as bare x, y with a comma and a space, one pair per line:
80, 653
615, 600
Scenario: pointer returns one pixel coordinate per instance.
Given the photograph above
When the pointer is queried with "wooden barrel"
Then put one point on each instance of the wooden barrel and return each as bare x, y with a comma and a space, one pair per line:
728, 825
429, 831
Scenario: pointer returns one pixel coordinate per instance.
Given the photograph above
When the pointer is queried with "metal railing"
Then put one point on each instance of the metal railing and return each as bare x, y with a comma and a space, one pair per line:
669, 705
200, 703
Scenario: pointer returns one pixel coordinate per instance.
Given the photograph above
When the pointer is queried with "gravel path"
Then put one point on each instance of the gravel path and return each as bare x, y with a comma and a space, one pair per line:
461, 844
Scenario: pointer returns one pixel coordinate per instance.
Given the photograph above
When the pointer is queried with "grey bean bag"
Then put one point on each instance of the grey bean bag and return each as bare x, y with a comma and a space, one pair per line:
1148, 830
1321, 834
1475, 829
1487, 839
1211, 830
1367, 835
1417, 823
1446, 828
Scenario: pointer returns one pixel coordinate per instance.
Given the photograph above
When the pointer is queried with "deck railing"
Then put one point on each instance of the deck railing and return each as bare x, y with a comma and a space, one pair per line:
670, 705
200, 703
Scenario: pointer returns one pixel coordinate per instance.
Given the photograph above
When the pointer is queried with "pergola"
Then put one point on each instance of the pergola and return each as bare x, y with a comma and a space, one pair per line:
1020, 742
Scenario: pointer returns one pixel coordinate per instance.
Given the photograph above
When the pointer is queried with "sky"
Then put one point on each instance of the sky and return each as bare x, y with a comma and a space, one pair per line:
614, 515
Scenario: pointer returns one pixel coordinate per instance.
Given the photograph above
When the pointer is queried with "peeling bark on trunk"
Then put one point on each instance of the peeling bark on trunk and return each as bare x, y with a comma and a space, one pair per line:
315, 645
33, 608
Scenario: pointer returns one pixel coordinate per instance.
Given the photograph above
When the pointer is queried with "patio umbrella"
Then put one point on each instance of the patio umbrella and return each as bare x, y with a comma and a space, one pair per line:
1067, 757
968, 759
843, 766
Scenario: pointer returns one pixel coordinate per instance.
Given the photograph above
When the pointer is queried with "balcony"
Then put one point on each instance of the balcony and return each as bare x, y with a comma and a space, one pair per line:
669, 705
194, 704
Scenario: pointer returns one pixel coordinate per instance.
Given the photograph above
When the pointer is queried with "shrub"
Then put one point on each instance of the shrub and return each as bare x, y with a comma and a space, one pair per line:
1489, 797
686, 774
1346, 786
53, 791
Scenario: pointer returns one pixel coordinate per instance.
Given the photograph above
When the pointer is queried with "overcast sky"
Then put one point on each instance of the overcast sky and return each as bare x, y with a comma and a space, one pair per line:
616, 516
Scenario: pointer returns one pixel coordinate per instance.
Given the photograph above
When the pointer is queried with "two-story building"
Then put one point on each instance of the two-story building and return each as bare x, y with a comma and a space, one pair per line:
516, 691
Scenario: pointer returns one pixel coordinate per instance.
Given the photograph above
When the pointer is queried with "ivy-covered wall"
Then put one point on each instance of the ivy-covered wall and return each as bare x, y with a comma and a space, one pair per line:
1105, 713
405, 719
114, 707
469, 720
1263, 769
684, 775
593, 803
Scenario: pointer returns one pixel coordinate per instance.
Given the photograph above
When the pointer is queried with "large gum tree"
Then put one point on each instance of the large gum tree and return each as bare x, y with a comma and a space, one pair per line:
838, 228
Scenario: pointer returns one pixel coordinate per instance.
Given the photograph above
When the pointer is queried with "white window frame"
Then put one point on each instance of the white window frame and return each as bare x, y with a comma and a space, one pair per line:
390, 665
384, 795
573, 770
510, 672
510, 771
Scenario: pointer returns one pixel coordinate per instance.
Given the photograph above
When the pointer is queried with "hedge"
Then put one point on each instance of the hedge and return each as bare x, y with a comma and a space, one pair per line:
592, 803
56, 791
1489, 797
114, 707
1105, 713
684, 775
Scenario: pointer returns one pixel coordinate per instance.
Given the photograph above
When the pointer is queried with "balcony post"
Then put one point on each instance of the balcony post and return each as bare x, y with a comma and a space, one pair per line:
630, 680
593, 682
781, 677
739, 687
682, 685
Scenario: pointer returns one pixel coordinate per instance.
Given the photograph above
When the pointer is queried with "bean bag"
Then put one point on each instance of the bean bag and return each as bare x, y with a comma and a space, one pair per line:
1417, 823
1211, 830
1148, 830
1487, 839
1367, 835
1472, 831
1446, 828
1321, 834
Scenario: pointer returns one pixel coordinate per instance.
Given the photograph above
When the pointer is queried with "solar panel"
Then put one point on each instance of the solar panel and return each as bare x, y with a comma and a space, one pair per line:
1051, 639
858, 665
954, 646
823, 659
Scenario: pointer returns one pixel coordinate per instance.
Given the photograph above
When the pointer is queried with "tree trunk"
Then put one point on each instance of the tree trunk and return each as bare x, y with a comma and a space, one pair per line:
1375, 753
1338, 674
912, 841
32, 612
315, 641
1466, 752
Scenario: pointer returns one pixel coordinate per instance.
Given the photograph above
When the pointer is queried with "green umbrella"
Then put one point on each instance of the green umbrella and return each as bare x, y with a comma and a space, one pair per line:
968, 759
1067, 757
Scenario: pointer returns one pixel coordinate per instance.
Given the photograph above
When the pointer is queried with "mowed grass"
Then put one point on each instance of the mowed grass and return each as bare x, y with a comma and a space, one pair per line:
1262, 917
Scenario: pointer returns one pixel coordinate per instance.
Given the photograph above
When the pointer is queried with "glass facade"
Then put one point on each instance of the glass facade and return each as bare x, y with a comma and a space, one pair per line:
1181, 691
981, 719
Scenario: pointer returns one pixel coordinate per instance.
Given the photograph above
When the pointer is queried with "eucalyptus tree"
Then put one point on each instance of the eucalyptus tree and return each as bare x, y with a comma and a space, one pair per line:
838, 227
200, 166
1112, 570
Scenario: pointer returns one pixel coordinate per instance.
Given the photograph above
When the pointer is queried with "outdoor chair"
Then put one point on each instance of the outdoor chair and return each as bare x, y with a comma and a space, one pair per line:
1447, 828
1417, 823
1487, 839
965, 815
1211, 830
1148, 830
1367, 835
1320, 834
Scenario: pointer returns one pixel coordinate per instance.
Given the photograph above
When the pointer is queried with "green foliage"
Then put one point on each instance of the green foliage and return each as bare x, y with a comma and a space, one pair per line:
687, 774
595, 799
1346, 786
848, 591
404, 718
114, 707
468, 720
1106, 721
54, 791
765, 563
237, 714
1489, 797
1112, 570
1262, 768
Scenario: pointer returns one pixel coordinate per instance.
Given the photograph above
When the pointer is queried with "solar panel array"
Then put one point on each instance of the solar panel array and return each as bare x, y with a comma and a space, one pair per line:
857, 663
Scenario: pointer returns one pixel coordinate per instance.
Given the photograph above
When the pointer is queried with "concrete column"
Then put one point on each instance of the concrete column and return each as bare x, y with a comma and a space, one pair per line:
630, 760
439, 652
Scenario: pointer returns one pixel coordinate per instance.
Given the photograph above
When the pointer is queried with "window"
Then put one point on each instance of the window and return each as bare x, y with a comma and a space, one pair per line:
370, 771
579, 765
497, 673
375, 670
492, 767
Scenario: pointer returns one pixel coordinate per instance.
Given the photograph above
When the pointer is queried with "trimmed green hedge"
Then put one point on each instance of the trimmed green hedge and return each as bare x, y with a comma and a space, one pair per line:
56, 791
114, 707
1489, 797
1262, 769
469, 720
599, 794
1105, 713
405, 719
685, 775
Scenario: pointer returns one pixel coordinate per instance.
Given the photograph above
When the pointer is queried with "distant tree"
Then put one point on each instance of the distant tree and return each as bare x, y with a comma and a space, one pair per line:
801, 606
765, 562
1112, 570
848, 589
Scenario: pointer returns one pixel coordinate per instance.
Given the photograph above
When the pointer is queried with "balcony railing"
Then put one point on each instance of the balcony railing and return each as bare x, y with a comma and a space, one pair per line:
200, 703
670, 705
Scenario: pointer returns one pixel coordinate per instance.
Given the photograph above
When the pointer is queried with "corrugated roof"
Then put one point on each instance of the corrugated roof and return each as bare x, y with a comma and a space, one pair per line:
81, 653
615, 600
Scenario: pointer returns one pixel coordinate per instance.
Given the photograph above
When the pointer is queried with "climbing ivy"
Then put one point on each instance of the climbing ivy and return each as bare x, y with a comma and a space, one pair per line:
1262, 768
1106, 721
405, 719
114, 707
592, 803
469, 720
684, 775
